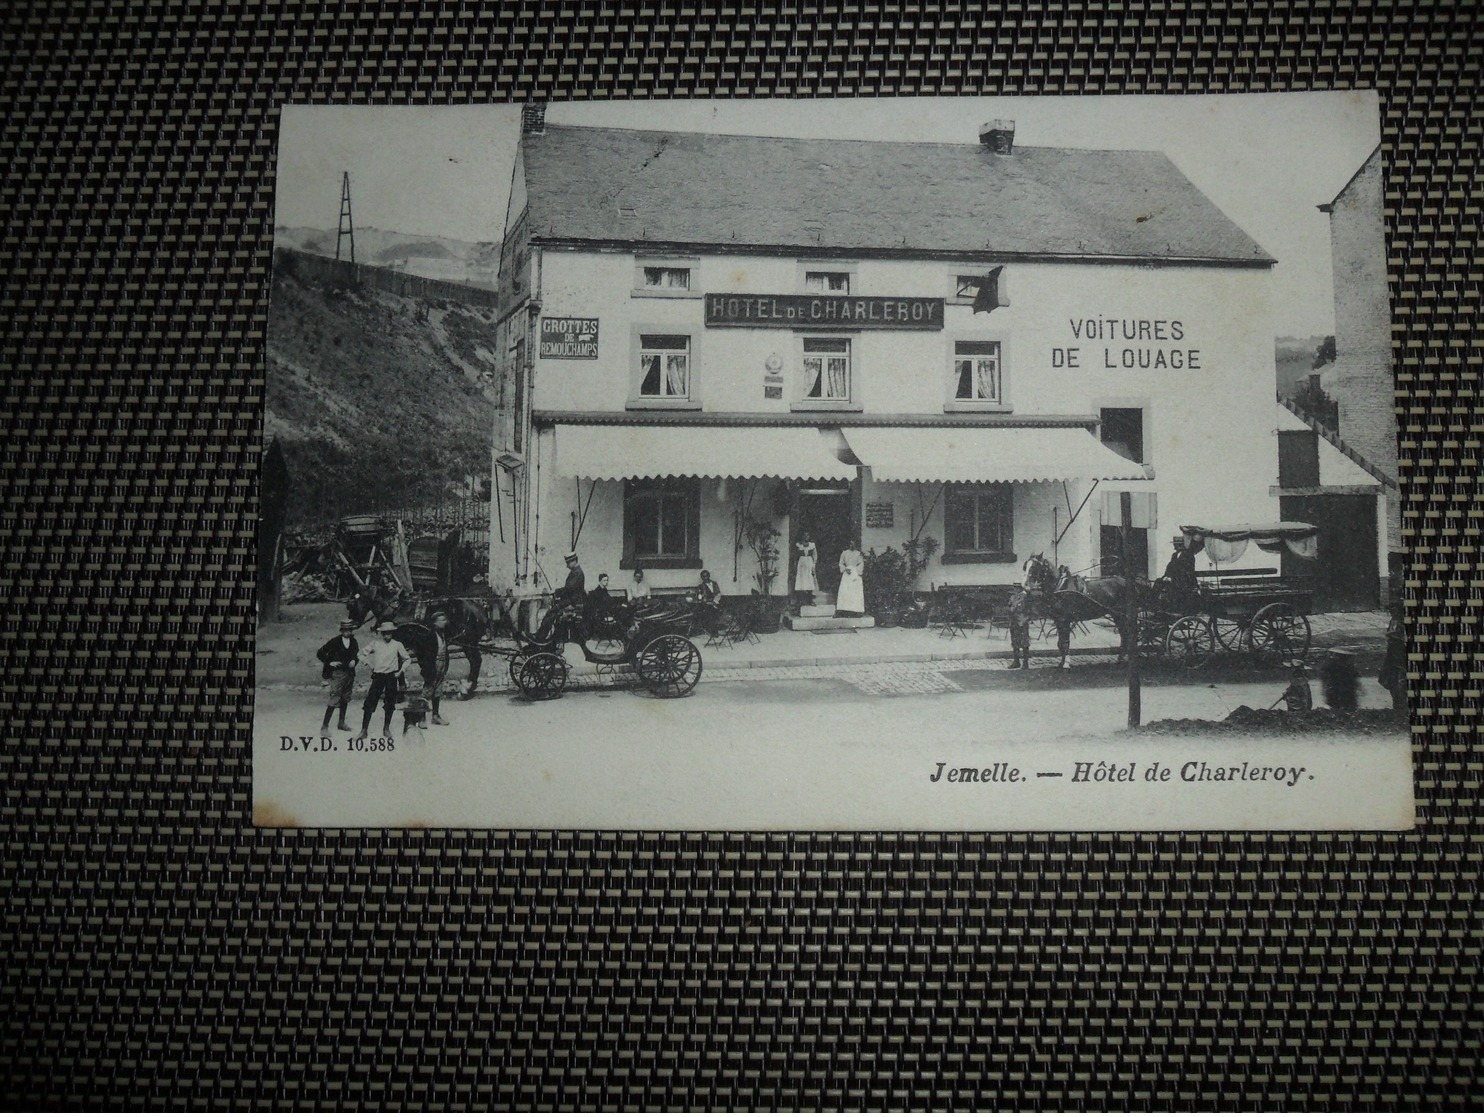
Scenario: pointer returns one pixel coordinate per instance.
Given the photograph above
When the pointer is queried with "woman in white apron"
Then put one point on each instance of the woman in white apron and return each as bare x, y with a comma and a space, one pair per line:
804, 583
852, 596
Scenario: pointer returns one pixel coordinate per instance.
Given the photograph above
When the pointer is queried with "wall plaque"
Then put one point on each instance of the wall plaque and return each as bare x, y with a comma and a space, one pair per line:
569, 339
880, 513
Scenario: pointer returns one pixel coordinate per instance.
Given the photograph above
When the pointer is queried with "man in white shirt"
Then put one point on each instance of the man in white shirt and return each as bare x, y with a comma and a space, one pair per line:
387, 659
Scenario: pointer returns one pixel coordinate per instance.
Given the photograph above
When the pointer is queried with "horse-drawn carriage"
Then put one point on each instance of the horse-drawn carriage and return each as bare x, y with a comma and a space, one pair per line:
1262, 615
1184, 622
650, 637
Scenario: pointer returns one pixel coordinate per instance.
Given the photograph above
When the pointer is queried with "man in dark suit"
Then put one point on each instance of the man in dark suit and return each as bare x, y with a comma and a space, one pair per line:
338, 655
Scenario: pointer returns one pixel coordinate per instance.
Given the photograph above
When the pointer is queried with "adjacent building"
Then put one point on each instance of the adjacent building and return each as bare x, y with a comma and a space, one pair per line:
986, 343
1361, 380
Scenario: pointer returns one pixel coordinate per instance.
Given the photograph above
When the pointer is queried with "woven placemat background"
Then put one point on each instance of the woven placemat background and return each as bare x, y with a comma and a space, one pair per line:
157, 950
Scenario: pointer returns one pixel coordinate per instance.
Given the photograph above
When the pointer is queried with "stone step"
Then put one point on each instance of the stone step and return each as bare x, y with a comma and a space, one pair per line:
828, 624
816, 610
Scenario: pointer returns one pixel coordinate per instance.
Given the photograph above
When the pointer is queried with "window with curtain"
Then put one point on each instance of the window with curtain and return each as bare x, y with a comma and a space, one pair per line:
667, 278
976, 372
664, 366
827, 368
827, 282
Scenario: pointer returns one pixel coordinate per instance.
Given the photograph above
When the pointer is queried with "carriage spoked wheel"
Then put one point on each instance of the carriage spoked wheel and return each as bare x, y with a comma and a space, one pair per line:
1230, 635
669, 665
1152, 632
542, 675
1279, 632
1189, 643
517, 661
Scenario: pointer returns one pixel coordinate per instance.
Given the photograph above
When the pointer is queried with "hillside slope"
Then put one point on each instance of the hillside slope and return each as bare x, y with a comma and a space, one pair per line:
473, 262
379, 402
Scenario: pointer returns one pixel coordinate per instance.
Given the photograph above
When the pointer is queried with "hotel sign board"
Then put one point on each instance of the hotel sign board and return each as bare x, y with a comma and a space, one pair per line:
828, 311
569, 339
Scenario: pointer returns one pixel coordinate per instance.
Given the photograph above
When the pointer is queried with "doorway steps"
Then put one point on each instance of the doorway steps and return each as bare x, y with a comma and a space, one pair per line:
821, 617
828, 624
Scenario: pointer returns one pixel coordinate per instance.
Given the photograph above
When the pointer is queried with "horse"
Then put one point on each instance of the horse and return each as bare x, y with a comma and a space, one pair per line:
471, 623
1065, 599
1038, 599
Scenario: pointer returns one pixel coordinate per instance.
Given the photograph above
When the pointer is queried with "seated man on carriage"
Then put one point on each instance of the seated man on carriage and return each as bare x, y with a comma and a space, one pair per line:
605, 617
1179, 584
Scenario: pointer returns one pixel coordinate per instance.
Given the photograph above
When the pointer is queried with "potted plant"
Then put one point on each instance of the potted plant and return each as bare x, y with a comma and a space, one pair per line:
891, 578
762, 537
918, 551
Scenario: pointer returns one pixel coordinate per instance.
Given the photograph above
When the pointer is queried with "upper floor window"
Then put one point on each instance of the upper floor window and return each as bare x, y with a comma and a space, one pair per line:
1123, 431
664, 366
827, 282
666, 278
965, 287
977, 376
1298, 459
827, 369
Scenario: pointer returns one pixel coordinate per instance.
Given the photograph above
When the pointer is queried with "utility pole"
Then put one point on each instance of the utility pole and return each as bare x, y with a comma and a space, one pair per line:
1130, 610
347, 226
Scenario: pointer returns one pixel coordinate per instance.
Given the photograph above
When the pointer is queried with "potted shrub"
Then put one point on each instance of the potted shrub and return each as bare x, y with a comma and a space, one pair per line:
891, 579
762, 537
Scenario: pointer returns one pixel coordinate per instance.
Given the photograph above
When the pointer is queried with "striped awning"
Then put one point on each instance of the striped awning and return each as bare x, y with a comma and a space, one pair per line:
614, 453
985, 454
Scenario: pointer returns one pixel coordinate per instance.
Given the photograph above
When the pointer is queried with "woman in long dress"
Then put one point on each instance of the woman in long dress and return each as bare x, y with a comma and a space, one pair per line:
804, 583
851, 599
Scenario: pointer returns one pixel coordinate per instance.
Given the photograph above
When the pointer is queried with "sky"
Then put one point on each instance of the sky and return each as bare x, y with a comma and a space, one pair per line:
1268, 160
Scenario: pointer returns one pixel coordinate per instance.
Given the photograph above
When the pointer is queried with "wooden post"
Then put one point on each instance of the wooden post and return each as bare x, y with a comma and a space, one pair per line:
1130, 611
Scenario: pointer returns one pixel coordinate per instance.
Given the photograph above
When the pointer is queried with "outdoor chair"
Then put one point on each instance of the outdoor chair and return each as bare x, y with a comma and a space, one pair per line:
952, 616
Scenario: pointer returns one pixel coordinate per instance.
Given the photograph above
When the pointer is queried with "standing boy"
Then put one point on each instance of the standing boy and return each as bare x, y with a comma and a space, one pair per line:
339, 655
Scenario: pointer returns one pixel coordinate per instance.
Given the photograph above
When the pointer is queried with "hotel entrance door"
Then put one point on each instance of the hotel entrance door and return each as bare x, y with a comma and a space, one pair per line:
824, 514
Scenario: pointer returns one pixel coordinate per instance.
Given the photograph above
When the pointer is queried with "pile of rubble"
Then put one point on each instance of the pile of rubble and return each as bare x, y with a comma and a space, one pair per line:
1282, 723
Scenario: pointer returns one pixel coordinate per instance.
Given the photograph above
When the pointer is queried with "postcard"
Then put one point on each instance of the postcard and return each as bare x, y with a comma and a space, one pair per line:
920, 464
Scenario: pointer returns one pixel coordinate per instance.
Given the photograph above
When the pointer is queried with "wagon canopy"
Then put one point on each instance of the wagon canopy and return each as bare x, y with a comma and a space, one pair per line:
1228, 542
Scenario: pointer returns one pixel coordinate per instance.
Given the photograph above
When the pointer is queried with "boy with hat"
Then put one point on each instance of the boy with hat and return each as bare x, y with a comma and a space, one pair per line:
339, 655
387, 659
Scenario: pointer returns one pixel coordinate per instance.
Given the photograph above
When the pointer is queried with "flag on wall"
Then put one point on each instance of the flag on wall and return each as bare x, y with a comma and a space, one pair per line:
991, 293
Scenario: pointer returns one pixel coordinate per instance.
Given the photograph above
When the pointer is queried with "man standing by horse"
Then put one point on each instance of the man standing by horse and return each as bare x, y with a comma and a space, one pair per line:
1037, 599
434, 682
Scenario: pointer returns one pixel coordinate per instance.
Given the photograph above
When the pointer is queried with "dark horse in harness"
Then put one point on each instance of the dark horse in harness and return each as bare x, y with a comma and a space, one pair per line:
1066, 600
472, 622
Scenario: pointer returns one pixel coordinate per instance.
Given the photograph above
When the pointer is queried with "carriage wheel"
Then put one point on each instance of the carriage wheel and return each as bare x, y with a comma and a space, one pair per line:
517, 661
542, 675
1279, 632
1152, 632
670, 666
1230, 635
1188, 644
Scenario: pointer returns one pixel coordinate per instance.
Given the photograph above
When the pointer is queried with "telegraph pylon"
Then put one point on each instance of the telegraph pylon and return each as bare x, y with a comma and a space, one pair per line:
347, 225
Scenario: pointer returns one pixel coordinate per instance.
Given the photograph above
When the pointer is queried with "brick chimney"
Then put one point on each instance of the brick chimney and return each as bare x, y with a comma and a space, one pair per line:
533, 118
998, 136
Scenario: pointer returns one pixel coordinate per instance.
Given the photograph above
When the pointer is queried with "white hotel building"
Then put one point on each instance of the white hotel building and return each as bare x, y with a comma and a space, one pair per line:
705, 329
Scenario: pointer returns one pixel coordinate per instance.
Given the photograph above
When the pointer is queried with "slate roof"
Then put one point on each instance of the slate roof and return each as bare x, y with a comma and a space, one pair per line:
620, 186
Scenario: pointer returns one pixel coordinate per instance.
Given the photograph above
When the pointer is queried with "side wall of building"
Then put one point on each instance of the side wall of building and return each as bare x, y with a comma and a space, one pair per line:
1361, 379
